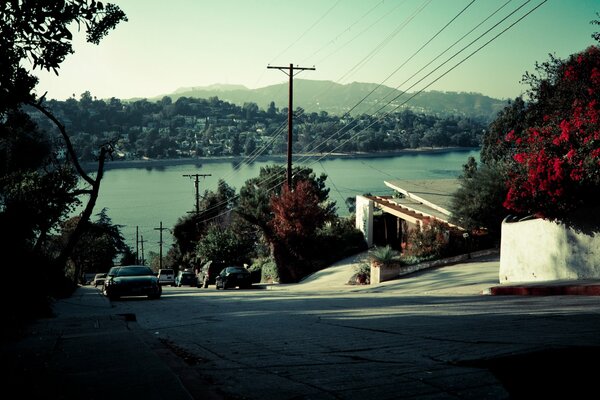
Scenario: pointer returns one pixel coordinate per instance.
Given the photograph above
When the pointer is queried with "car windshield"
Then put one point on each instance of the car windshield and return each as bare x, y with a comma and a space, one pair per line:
134, 271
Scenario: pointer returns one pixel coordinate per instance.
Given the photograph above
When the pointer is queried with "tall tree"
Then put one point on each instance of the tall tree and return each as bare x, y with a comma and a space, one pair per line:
37, 35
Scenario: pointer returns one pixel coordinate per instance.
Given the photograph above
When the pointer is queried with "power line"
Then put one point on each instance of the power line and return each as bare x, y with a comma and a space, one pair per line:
404, 92
438, 78
344, 31
445, 73
306, 31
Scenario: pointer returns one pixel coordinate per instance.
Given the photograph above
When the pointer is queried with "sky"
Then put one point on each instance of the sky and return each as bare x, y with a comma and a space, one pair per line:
407, 44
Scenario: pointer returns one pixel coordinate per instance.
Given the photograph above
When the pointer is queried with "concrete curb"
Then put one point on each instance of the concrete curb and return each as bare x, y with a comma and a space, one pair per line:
559, 288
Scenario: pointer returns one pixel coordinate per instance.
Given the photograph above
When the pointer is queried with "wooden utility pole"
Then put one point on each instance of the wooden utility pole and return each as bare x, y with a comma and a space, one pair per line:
137, 244
142, 244
290, 72
197, 185
160, 242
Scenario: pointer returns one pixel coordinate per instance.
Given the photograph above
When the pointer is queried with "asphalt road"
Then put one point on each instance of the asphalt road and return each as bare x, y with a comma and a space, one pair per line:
432, 335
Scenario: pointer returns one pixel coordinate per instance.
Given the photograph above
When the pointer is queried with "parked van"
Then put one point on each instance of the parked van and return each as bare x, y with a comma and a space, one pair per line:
166, 277
208, 273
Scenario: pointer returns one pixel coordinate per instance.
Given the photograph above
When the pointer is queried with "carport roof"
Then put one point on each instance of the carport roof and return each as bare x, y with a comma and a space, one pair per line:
433, 193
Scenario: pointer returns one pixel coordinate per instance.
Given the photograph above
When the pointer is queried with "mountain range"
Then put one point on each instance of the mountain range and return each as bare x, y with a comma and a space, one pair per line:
335, 98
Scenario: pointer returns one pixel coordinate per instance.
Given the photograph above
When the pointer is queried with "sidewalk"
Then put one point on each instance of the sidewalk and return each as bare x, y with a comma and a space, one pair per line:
86, 352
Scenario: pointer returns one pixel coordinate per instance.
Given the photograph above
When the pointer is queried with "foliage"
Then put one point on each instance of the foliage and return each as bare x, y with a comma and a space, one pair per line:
477, 204
255, 195
201, 127
556, 165
223, 244
496, 150
384, 256
267, 268
297, 215
361, 276
214, 208
38, 189
338, 239
430, 240
99, 246
38, 32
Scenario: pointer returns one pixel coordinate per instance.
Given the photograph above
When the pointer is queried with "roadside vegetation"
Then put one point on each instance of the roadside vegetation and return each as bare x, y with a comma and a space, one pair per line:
541, 156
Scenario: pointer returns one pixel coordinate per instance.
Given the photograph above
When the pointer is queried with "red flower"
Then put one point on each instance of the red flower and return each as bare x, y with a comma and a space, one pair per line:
520, 157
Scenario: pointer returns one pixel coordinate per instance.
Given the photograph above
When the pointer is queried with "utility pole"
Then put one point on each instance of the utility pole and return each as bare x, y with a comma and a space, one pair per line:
137, 244
160, 242
196, 183
290, 73
142, 243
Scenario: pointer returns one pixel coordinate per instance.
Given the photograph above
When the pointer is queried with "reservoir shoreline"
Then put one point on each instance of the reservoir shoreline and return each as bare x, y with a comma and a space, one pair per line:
168, 162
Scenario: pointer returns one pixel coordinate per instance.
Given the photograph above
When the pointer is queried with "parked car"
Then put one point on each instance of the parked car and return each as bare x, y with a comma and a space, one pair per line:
98, 280
132, 280
208, 273
166, 277
231, 277
187, 278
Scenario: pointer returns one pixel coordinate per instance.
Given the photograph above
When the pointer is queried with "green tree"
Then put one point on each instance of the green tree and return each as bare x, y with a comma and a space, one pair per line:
215, 208
38, 34
477, 204
223, 244
99, 246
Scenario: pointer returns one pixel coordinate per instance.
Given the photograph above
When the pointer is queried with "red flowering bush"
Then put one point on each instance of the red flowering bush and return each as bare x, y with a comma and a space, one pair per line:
556, 161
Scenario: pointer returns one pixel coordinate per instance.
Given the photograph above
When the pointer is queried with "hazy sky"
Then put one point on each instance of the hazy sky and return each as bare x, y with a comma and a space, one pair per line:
166, 45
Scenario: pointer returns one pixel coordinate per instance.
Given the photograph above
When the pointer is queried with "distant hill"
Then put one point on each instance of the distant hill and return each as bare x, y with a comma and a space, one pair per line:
337, 99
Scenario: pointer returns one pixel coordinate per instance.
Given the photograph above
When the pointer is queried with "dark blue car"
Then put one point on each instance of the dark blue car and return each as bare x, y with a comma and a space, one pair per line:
232, 277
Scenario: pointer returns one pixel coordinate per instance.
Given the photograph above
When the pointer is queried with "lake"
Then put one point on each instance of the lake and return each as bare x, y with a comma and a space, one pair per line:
143, 197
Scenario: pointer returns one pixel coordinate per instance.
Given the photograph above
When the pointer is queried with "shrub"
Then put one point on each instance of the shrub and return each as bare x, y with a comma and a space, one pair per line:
267, 268
556, 162
384, 256
430, 241
362, 275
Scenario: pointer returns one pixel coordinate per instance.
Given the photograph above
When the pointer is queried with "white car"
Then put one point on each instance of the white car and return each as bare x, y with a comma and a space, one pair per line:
166, 277
99, 280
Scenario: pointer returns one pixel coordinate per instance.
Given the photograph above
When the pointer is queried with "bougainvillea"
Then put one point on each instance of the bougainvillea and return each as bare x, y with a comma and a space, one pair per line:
556, 163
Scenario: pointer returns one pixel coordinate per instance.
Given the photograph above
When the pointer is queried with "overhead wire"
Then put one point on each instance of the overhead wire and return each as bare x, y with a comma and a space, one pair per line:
444, 74
450, 58
348, 113
306, 31
449, 47
348, 29
413, 55
384, 42
318, 159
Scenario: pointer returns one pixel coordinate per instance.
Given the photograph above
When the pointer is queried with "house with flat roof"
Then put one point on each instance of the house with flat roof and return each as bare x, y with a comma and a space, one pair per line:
386, 220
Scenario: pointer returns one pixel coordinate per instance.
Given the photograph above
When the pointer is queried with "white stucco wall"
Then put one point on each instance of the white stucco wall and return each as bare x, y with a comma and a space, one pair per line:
364, 218
540, 250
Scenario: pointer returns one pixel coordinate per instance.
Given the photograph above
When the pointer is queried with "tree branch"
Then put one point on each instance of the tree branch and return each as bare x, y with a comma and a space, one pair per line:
67, 140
